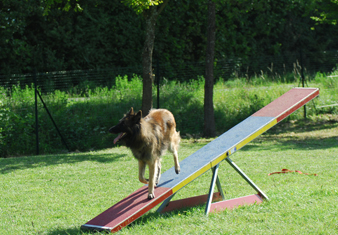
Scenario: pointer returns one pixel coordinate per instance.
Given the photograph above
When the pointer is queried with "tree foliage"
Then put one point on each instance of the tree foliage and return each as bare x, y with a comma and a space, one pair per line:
108, 34
326, 12
140, 5
69, 40
63, 5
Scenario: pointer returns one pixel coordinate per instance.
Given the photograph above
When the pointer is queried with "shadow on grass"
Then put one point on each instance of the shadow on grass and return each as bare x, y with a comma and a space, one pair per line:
70, 231
75, 231
148, 218
302, 126
310, 143
20, 163
152, 216
298, 136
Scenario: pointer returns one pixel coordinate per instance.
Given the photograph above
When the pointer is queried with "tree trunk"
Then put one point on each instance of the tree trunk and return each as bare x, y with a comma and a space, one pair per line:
209, 118
147, 54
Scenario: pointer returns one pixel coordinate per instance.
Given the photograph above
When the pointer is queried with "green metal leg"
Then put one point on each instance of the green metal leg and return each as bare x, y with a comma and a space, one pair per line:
211, 190
247, 179
165, 203
219, 187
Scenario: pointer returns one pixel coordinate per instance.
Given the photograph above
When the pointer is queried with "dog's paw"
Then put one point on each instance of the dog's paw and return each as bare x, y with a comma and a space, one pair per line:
145, 181
151, 196
178, 170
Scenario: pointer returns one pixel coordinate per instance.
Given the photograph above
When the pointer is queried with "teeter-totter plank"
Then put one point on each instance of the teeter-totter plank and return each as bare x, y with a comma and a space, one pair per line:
206, 158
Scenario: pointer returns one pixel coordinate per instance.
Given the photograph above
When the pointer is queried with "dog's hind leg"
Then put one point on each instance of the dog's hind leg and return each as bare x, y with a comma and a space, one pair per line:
158, 175
152, 176
141, 171
173, 147
177, 164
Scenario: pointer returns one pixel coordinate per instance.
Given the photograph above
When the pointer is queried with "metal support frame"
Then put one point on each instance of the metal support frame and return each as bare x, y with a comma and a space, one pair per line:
212, 186
246, 178
219, 188
220, 195
165, 203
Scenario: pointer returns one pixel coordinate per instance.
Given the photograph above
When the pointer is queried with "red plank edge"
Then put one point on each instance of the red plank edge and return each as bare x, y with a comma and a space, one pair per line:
127, 210
233, 203
288, 103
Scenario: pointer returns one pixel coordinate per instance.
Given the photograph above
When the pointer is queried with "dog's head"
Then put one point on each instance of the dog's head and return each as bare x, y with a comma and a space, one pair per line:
127, 126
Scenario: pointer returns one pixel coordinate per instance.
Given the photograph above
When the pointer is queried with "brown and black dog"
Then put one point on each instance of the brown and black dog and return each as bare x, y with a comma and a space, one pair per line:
149, 138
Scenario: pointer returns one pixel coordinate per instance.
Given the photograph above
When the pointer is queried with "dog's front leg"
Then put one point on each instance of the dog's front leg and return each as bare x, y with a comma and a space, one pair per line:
141, 170
152, 176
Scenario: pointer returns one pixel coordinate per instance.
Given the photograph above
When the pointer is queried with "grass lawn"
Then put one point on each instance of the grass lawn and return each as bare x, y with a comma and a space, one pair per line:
56, 194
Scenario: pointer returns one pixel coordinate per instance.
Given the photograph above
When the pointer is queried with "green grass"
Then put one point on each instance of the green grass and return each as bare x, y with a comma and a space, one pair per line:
56, 194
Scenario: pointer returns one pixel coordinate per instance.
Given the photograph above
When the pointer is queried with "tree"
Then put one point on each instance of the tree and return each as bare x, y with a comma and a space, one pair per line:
209, 118
327, 11
150, 9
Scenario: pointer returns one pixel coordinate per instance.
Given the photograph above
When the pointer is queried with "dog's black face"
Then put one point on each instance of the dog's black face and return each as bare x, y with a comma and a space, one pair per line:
126, 127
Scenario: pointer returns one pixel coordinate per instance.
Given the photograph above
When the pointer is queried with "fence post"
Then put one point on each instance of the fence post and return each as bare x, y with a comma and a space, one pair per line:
302, 75
37, 93
158, 81
36, 113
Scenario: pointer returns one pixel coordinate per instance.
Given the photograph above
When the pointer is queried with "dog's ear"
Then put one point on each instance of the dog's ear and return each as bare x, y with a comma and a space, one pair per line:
138, 116
131, 111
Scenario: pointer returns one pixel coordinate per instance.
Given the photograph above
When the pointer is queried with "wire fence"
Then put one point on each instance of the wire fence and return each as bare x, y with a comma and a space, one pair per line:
273, 67
79, 128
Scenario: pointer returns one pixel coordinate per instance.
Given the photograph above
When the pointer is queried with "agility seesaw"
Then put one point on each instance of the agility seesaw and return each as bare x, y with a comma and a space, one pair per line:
206, 158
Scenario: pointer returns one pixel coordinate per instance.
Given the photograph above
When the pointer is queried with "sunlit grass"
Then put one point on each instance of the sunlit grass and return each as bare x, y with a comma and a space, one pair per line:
56, 194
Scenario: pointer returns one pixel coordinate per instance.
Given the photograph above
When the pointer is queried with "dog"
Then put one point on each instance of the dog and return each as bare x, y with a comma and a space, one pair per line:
149, 138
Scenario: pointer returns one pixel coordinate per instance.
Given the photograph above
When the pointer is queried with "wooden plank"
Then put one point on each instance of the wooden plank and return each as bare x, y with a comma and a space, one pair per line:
127, 210
233, 203
288, 103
